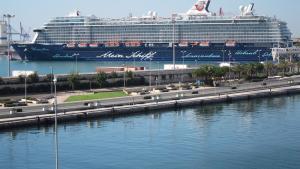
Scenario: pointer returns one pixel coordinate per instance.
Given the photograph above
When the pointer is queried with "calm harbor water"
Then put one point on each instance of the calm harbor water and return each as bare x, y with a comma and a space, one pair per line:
66, 67
263, 133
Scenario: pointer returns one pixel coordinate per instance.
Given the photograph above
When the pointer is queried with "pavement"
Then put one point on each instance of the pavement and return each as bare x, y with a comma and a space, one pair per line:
172, 95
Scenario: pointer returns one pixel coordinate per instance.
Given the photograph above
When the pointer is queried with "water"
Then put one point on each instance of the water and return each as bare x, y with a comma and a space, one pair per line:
66, 67
263, 133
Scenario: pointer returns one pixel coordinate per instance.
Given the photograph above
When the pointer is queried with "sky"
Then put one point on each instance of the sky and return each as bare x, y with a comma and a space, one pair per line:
34, 13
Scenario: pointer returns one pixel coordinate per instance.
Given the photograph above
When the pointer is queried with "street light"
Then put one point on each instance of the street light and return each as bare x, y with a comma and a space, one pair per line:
150, 78
224, 51
183, 52
25, 79
124, 78
173, 43
55, 125
183, 56
259, 56
51, 80
8, 16
76, 64
229, 57
158, 72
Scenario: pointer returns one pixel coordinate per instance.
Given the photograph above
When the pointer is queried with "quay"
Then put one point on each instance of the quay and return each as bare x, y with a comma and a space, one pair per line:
137, 105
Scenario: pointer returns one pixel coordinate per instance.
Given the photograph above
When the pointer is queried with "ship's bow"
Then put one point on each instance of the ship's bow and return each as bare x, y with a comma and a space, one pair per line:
20, 49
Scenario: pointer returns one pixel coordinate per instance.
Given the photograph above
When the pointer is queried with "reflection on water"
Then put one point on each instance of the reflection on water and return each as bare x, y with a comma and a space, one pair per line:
262, 133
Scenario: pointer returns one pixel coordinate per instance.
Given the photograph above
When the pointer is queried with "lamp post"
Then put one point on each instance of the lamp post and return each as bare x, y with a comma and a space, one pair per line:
183, 52
150, 74
124, 78
173, 43
229, 57
158, 72
25, 79
76, 64
8, 16
259, 56
183, 56
55, 124
51, 80
224, 51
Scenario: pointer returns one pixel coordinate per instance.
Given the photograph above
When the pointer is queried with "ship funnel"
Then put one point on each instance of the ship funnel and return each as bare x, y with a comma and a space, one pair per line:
247, 10
200, 8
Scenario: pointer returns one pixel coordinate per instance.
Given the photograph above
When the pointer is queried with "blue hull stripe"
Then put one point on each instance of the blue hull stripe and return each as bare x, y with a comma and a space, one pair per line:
39, 52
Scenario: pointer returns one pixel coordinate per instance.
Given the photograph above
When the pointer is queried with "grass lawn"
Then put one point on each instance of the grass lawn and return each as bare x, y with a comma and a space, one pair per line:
102, 95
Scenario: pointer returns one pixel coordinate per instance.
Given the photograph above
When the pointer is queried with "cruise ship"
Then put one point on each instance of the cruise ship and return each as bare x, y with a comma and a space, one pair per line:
197, 35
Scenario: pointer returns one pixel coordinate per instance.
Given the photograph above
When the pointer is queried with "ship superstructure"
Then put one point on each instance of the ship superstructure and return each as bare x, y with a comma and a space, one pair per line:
197, 34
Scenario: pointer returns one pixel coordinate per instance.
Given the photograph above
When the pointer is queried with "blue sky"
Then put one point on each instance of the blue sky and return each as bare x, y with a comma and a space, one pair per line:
33, 13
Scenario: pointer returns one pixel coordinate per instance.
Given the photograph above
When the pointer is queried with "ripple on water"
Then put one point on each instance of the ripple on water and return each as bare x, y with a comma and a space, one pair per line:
263, 133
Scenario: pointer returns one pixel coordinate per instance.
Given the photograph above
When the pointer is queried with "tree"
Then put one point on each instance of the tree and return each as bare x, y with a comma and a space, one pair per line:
49, 77
219, 72
34, 78
209, 73
114, 75
238, 70
101, 78
129, 74
250, 69
298, 66
201, 72
269, 67
283, 66
259, 68
21, 78
73, 80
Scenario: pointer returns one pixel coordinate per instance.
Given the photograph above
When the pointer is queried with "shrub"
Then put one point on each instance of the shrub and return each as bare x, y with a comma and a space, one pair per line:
33, 78
114, 75
21, 78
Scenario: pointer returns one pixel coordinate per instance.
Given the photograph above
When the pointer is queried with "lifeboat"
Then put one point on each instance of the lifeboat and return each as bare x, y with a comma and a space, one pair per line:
82, 45
231, 43
183, 44
71, 45
205, 44
133, 44
195, 43
94, 45
112, 44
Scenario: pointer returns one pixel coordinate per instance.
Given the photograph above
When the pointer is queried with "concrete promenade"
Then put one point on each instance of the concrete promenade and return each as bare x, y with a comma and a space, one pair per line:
135, 105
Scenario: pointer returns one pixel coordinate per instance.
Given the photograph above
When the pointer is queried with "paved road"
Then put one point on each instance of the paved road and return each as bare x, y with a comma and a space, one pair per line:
65, 107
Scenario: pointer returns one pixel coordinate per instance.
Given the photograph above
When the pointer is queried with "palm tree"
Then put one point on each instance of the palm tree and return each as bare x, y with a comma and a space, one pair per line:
259, 67
298, 66
34, 78
269, 66
219, 72
73, 80
250, 69
238, 70
101, 78
202, 72
283, 66
129, 74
